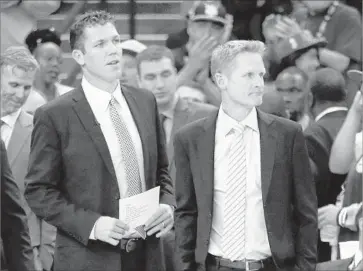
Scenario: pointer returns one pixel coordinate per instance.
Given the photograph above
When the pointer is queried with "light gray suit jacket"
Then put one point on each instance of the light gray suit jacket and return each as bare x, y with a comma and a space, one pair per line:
42, 234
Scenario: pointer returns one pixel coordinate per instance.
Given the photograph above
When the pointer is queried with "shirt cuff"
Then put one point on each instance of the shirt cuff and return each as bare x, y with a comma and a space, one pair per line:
342, 217
92, 235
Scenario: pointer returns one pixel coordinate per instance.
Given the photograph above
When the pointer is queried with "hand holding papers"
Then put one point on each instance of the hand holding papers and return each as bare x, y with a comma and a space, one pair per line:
136, 210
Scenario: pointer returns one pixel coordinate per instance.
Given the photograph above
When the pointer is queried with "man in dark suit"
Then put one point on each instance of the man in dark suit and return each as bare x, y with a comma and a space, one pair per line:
16, 250
16, 128
327, 96
91, 147
157, 73
236, 156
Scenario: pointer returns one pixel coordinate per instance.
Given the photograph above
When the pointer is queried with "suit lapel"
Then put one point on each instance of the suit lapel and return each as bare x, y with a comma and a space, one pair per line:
88, 120
268, 146
142, 127
22, 130
181, 116
205, 144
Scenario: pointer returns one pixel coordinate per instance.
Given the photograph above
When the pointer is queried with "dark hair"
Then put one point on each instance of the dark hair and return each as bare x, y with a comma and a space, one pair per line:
327, 85
154, 53
40, 36
88, 19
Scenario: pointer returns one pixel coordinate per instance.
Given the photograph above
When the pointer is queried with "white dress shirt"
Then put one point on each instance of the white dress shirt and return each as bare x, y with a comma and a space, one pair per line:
257, 244
99, 101
8, 127
330, 110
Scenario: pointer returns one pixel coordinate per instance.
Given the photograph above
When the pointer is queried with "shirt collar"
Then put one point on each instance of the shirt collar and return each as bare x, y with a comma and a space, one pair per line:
98, 98
330, 110
356, 260
225, 123
11, 118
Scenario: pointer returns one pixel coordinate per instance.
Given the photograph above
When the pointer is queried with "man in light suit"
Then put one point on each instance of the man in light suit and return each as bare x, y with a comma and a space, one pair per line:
16, 127
241, 155
158, 74
93, 146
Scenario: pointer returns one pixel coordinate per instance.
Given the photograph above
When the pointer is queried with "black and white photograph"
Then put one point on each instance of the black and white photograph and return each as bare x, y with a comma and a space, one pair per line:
168, 135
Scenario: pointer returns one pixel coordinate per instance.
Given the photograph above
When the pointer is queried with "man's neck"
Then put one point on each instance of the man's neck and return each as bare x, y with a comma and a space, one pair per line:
101, 84
170, 106
237, 113
47, 90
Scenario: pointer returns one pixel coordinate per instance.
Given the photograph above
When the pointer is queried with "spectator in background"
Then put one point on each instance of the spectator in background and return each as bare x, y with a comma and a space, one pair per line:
18, 69
327, 95
130, 48
192, 93
273, 103
292, 84
300, 50
45, 44
19, 18
209, 25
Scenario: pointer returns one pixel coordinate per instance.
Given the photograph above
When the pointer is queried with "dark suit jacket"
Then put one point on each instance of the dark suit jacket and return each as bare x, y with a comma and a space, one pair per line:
16, 250
72, 181
184, 113
320, 137
288, 193
42, 234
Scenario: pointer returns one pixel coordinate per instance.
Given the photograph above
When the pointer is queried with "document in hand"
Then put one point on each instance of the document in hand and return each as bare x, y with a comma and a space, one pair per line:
136, 210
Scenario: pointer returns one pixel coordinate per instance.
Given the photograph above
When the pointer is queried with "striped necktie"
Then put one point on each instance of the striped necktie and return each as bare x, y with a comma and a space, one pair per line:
129, 157
234, 239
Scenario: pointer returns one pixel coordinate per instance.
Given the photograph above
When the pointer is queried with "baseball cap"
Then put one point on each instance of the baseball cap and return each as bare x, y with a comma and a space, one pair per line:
208, 11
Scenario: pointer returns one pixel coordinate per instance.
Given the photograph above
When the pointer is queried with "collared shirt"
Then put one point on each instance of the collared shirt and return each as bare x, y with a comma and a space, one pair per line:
99, 101
257, 244
8, 127
169, 121
330, 110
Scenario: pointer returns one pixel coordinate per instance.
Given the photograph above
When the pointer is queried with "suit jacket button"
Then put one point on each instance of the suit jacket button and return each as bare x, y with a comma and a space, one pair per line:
117, 197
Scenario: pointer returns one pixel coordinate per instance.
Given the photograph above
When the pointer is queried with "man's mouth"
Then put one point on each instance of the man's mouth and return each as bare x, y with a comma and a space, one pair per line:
113, 62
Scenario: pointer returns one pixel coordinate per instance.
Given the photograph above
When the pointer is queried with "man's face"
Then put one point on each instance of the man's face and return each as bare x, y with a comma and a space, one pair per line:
102, 54
243, 84
129, 70
16, 84
293, 90
160, 78
198, 29
49, 57
308, 62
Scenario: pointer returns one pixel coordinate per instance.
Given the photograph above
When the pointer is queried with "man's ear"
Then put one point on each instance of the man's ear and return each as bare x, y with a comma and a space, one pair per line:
78, 56
221, 80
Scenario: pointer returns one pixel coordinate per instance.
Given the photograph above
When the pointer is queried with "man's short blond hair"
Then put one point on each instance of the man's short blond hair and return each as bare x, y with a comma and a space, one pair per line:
18, 57
224, 54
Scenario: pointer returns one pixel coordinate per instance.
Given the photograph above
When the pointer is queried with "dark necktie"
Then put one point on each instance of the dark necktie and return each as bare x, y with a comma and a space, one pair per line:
162, 122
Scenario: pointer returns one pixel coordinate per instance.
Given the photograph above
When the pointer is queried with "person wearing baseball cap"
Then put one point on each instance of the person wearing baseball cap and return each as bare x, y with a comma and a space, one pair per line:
130, 49
300, 50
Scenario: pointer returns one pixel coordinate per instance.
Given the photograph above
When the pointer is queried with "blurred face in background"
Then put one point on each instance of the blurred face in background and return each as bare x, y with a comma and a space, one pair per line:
49, 57
197, 30
293, 89
129, 70
16, 84
159, 77
191, 94
308, 62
